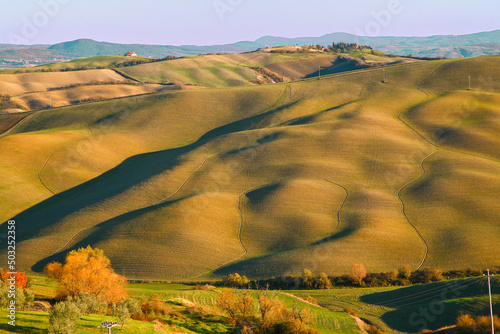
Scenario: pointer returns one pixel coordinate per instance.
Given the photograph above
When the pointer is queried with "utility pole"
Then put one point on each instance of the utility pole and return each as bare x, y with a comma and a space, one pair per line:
491, 305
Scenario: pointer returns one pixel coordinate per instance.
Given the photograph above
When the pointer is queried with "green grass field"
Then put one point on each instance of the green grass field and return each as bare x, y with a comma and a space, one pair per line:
38, 322
266, 180
392, 309
415, 308
326, 321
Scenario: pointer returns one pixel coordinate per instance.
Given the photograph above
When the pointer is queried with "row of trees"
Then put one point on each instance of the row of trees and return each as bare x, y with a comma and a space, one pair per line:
358, 277
345, 47
335, 48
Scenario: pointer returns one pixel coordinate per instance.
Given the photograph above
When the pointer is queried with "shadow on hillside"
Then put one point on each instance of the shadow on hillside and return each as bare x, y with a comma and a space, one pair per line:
128, 174
307, 119
269, 265
260, 194
432, 306
21, 329
339, 235
340, 64
100, 232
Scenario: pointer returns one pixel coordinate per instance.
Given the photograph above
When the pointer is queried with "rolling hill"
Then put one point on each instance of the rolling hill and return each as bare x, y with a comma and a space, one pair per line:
35, 91
266, 180
449, 46
258, 67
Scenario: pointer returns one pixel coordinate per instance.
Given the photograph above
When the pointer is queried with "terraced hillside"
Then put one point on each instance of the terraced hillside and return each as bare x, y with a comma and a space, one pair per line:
267, 180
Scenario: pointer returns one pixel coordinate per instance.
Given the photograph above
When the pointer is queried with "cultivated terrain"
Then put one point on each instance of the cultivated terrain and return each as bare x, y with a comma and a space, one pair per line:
265, 169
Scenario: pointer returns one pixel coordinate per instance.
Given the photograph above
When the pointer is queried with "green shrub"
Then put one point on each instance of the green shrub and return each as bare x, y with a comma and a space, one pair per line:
63, 318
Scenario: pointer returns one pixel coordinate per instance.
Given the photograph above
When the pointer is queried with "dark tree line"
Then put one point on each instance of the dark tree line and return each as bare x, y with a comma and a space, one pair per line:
357, 278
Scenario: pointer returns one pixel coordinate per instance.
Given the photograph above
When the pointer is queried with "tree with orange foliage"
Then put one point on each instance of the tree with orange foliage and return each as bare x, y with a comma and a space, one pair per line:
20, 279
358, 272
88, 271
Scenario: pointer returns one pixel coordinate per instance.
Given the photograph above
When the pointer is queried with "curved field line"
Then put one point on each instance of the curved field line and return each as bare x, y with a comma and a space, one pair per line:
240, 229
162, 200
50, 157
405, 109
67, 242
343, 203
403, 208
24, 119
43, 167
187, 179
240, 209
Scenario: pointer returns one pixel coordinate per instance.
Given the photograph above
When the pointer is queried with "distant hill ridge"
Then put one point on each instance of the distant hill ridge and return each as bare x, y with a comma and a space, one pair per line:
88, 47
449, 46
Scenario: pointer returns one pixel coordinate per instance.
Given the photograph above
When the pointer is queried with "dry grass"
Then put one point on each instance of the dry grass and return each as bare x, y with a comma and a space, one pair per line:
17, 84
235, 70
65, 97
171, 167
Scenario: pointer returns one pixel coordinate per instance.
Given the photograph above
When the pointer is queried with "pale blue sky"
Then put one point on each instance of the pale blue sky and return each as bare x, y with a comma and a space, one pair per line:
207, 22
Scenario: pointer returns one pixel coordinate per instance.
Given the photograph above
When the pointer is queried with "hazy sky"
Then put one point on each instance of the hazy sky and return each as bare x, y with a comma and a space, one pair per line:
207, 22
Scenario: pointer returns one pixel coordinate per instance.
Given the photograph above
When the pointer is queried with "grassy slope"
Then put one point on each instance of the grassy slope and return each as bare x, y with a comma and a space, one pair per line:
271, 167
324, 320
397, 309
35, 91
38, 322
64, 97
104, 61
400, 309
327, 322
17, 84
233, 69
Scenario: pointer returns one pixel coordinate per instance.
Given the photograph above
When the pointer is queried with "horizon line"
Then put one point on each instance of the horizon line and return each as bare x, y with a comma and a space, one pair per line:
265, 36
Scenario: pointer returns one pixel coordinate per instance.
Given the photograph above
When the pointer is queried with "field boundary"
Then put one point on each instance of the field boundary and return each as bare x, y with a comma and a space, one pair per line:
403, 208
159, 201
343, 203
50, 157
431, 142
